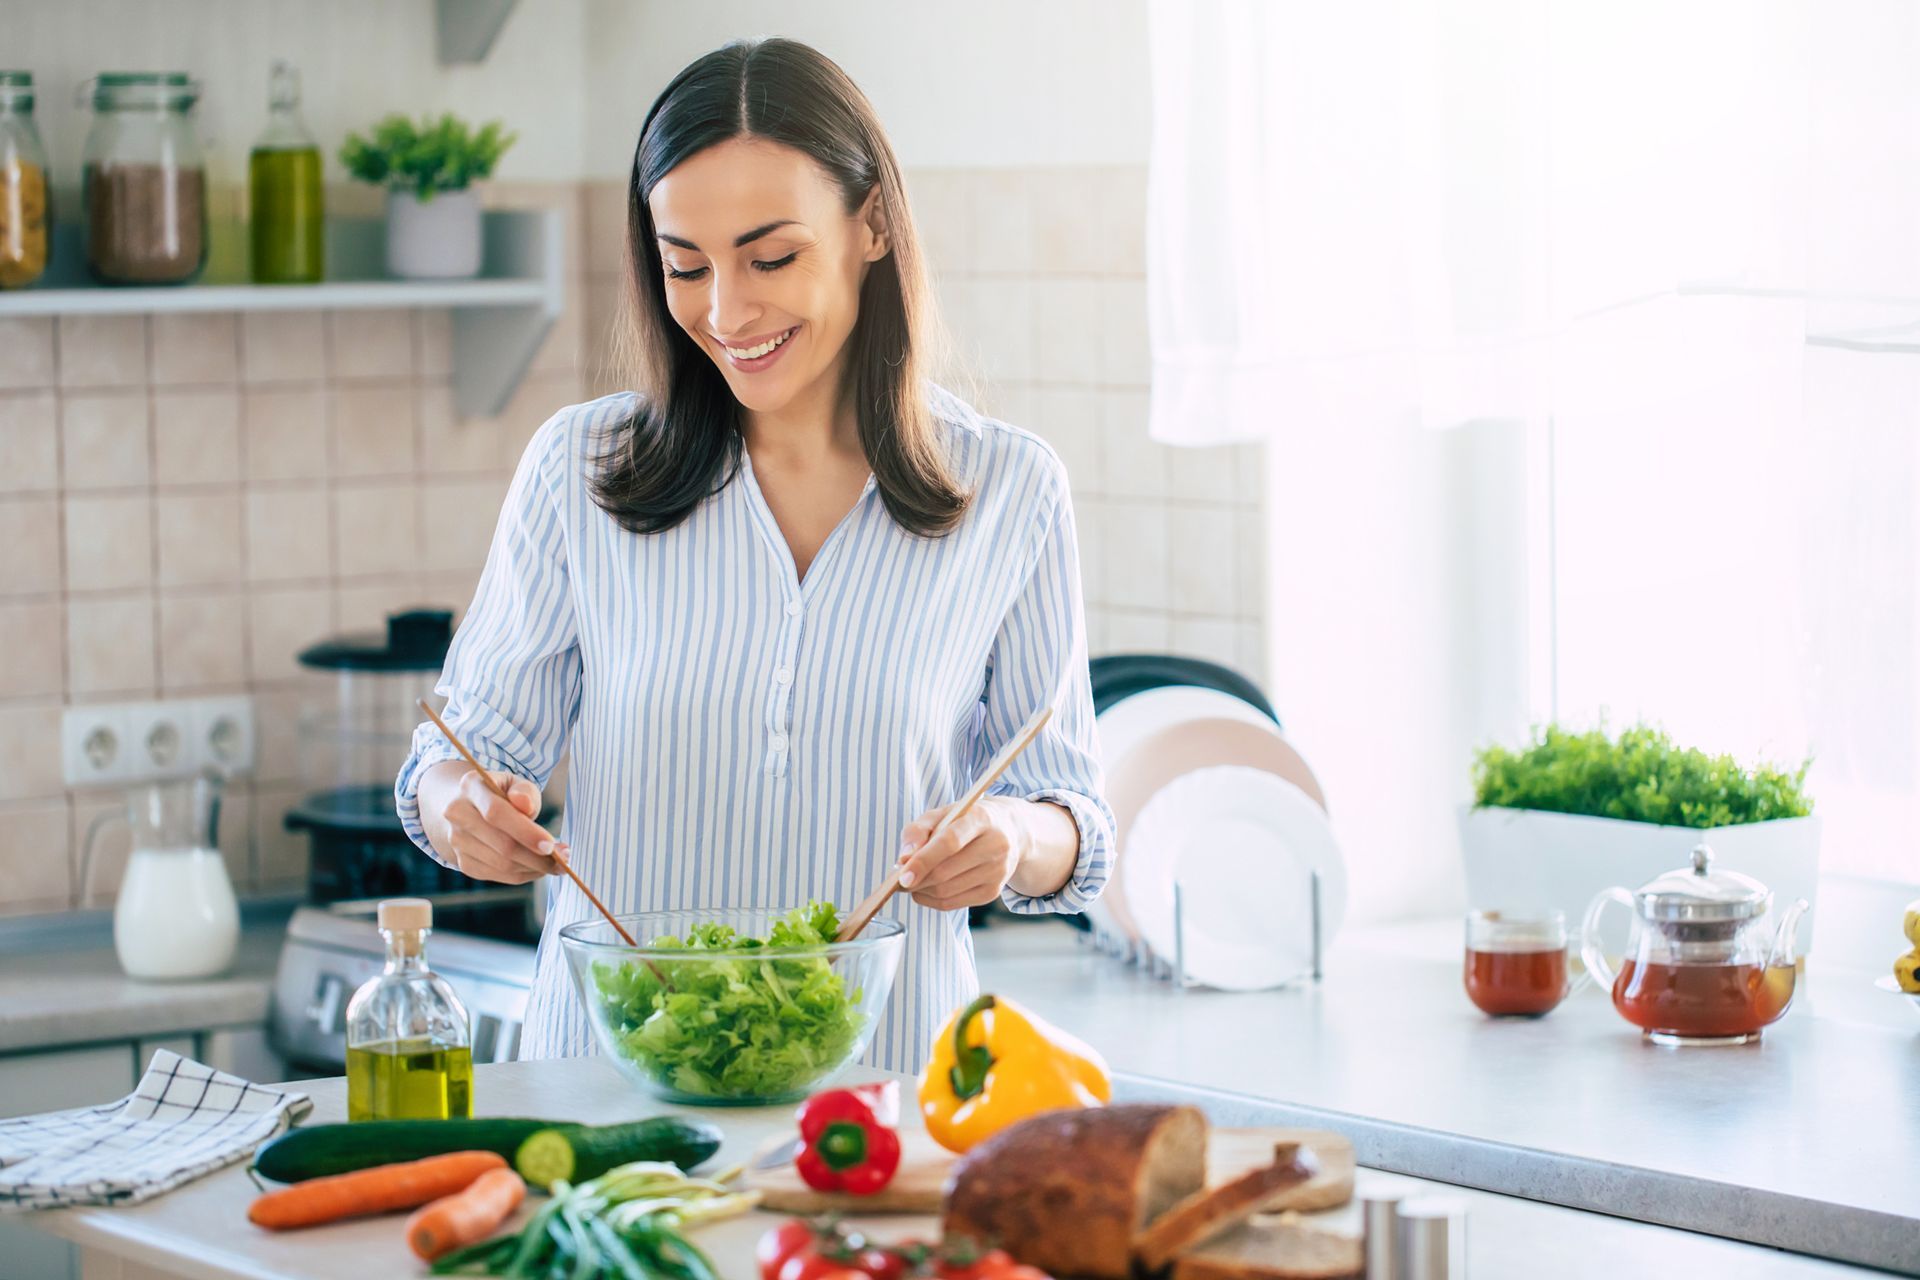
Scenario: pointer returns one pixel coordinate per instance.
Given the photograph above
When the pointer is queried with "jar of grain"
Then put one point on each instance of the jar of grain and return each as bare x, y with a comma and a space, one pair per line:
24, 217
143, 180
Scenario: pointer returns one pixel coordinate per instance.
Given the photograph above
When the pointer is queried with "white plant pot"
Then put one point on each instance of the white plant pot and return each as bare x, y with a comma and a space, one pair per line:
437, 239
1529, 859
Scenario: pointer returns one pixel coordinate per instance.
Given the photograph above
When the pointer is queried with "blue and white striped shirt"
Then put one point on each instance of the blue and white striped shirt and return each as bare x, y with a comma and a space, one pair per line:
744, 738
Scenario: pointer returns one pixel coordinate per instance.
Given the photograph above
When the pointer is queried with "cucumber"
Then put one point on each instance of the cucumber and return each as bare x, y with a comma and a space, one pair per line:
579, 1152
323, 1149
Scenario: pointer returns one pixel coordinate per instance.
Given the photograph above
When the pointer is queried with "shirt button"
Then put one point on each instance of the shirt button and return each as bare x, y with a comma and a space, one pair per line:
794, 608
783, 675
778, 742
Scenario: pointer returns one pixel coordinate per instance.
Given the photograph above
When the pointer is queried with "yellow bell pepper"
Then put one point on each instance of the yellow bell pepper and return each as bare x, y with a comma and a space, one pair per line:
995, 1063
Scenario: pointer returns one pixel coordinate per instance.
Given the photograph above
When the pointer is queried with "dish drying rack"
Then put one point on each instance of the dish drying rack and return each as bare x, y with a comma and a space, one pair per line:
1173, 968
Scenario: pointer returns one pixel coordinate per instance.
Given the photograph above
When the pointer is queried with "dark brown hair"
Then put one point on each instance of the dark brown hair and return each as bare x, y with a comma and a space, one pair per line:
683, 443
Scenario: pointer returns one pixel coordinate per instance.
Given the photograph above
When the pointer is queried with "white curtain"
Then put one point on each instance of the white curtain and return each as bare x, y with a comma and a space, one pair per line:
1668, 255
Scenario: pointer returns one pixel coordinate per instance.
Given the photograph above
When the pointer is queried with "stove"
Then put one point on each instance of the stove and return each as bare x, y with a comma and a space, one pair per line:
482, 943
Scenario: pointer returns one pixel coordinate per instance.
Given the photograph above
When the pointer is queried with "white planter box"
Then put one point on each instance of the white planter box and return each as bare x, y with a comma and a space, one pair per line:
1527, 858
437, 239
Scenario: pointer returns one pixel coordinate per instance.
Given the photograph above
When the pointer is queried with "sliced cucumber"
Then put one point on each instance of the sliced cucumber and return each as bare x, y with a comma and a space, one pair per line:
579, 1152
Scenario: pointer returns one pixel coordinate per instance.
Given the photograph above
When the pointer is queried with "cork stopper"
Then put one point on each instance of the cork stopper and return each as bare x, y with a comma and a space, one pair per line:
406, 914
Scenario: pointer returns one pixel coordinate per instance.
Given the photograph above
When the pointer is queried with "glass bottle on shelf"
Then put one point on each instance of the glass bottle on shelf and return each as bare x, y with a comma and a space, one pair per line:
143, 179
285, 200
24, 215
409, 1046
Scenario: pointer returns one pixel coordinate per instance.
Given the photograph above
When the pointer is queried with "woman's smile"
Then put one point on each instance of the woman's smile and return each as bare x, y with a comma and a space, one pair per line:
757, 353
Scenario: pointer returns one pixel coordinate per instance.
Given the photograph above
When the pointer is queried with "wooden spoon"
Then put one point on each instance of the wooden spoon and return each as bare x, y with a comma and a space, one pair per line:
863, 914
565, 866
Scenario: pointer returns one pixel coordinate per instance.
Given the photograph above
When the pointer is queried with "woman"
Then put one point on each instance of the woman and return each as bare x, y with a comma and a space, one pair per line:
786, 601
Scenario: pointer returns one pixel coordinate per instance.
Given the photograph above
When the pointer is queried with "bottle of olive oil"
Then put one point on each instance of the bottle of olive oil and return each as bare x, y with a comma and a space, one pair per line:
409, 1046
287, 224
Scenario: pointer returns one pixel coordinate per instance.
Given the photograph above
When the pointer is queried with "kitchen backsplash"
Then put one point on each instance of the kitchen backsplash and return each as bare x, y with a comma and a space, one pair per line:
186, 501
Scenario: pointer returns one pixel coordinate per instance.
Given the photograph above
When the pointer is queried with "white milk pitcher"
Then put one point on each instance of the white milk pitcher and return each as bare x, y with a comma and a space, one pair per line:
176, 916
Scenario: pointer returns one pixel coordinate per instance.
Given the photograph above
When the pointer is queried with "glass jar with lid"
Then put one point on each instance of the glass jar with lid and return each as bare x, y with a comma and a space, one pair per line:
143, 179
24, 213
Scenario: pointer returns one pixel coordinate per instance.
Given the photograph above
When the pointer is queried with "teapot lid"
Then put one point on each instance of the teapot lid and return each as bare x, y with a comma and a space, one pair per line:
1700, 893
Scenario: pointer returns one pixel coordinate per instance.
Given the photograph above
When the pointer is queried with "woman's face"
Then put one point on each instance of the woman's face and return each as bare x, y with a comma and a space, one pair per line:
763, 269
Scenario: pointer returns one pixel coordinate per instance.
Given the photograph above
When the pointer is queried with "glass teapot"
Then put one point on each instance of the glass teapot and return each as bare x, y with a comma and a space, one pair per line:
1706, 961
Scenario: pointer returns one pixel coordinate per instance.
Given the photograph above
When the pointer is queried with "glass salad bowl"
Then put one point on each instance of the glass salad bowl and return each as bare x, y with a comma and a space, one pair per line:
732, 1007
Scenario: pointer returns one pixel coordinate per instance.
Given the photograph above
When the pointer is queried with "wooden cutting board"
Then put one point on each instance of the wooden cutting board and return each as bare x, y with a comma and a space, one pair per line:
920, 1183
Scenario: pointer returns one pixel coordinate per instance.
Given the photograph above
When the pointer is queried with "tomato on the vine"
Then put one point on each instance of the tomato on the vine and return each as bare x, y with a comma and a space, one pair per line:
780, 1243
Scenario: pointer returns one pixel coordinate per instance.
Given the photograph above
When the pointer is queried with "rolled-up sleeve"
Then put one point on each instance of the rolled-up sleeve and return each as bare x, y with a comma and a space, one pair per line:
512, 676
1040, 656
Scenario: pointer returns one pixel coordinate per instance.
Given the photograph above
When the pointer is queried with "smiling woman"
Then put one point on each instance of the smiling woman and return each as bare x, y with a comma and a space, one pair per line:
785, 600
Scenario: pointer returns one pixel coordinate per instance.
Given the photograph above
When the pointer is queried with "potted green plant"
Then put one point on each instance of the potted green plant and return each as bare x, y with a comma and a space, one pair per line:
433, 215
1571, 813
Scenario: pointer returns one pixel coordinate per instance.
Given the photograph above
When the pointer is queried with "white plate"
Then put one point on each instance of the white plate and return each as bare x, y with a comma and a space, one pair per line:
1242, 842
1131, 719
1886, 982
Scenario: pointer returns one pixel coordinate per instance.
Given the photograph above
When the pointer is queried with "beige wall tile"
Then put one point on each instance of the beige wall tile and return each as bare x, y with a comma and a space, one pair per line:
235, 835
1069, 420
457, 522
103, 351
35, 871
286, 433
1250, 563
373, 431
1120, 218
606, 227
451, 590
109, 542
29, 439
196, 437
364, 606
1214, 639
432, 342
1201, 474
30, 751
282, 346
1135, 631
276, 717
600, 358
195, 349
280, 623
538, 397
1001, 218
203, 640
942, 214
30, 532
26, 352
565, 342
288, 534
1066, 241
374, 528
1126, 360
32, 651
1250, 474
104, 439
280, 855
1090, 528
1250, 651
451, 444
1097, 629
1132, 465
110, 648
1067, 331
997, 342
199, 538
370, 344
1136, 551
1202, 551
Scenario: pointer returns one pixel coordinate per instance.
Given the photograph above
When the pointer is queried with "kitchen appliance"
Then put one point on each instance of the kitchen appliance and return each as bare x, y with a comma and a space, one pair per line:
175, 916
1706, 962
483, 944
354, 745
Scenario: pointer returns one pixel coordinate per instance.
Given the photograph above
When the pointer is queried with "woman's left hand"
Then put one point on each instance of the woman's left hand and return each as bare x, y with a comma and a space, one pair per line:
972, 860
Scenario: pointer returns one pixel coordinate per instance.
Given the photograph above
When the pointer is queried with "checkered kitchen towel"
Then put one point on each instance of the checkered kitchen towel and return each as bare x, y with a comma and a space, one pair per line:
185, 1119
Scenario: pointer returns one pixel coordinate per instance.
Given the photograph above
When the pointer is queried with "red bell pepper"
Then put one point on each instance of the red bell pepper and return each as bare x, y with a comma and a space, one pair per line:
847, 1140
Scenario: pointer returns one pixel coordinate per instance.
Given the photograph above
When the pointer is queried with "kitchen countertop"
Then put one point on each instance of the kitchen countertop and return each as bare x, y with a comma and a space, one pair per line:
200, 1229
60, 984
1809, 1139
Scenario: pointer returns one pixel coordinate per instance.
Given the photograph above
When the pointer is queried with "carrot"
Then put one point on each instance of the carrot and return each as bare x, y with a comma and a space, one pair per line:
382, 1189
466, 1217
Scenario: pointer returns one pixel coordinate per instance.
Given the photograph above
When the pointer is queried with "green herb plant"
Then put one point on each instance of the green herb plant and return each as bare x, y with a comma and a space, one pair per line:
435, 155
741, 1021
1640, 777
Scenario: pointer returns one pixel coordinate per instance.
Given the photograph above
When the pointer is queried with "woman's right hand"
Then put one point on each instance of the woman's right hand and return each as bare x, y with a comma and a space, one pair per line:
482, 835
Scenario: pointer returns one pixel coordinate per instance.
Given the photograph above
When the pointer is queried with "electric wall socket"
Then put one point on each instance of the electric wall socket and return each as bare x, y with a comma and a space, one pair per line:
118, 744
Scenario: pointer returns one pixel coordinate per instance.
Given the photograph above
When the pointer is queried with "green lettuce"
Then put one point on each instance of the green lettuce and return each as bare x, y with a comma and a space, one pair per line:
745, 1026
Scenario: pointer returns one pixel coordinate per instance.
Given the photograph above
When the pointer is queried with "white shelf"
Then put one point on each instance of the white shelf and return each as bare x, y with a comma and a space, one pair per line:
500, 317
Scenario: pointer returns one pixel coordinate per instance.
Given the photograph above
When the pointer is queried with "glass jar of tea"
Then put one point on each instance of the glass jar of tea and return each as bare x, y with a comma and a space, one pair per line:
1516, 963
143, 180
1707, 961
24, 217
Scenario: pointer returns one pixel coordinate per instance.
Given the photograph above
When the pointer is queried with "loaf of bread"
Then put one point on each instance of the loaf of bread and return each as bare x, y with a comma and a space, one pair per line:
1071, 1192
1208, 1212
1273, 1249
